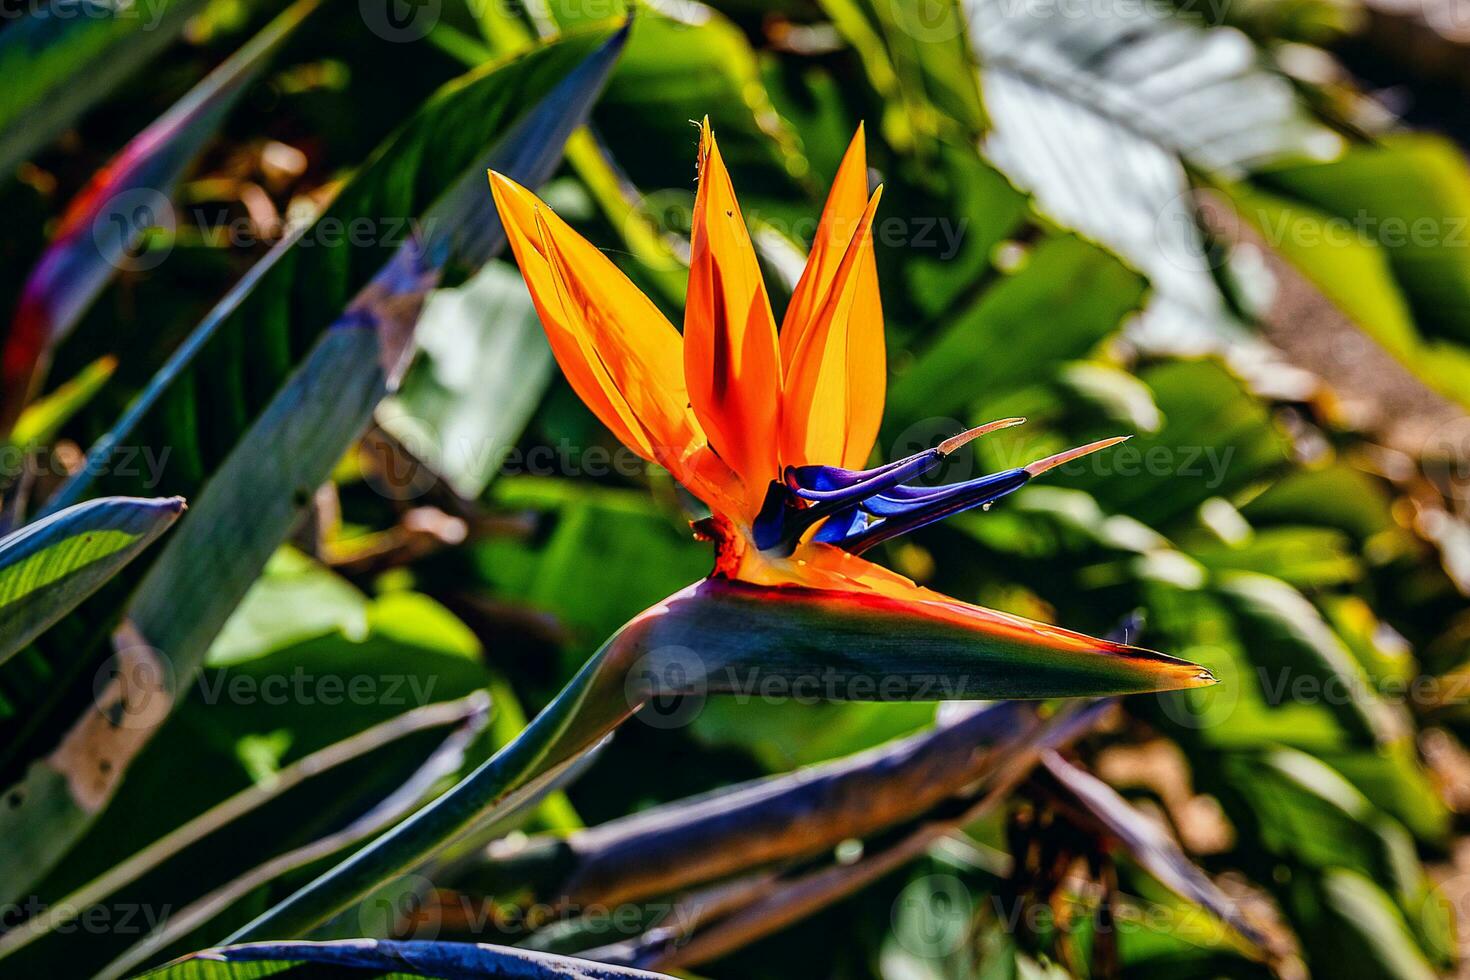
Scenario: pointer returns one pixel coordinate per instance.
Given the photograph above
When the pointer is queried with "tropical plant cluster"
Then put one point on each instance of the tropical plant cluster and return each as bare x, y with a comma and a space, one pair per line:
350, 503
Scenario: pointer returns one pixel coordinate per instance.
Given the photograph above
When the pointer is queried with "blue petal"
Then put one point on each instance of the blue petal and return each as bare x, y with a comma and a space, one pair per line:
913, 514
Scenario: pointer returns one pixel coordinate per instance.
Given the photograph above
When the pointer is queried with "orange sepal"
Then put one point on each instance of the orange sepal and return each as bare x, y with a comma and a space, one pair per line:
731, 360
619, 353
832, 403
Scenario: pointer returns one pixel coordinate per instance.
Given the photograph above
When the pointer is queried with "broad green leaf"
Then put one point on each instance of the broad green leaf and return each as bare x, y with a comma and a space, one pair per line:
1305, 557
606, 555
48, 567
1240, 712
294, 600
483, 366
1410, 196
1216, 440
1297, 656
1337, 495
1079, 292
388, 959
1099, 113
1298, 808
1395, 779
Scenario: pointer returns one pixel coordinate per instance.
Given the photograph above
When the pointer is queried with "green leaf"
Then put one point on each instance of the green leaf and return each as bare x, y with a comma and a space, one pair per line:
59, 61
386, 958
1409, 195
1305, 557
484, 364
1237, 713
1216, 440
1351, 929
604, 556
48, 567
1159, 91
1337, 495
294, 600
1079, 292
1299, 658
1296, 807
104, 223
245, 509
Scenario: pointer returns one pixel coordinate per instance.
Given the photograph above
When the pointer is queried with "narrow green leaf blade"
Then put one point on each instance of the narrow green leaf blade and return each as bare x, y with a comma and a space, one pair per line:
104, 222
375, 957
62, 58
48, 567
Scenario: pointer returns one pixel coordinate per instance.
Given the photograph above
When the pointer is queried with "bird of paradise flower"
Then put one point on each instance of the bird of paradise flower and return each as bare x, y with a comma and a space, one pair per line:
768, 430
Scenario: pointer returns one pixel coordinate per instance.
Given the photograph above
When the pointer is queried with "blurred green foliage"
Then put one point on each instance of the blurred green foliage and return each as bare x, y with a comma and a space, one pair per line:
1301, 532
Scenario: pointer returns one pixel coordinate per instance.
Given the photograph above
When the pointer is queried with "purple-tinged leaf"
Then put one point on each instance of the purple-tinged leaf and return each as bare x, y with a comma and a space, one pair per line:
375, 957
104, 224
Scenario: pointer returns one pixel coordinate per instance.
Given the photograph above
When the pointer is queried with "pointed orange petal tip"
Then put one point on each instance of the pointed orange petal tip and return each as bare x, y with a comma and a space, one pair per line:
1060, 459
955, 442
